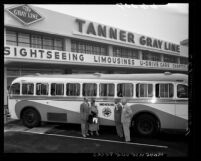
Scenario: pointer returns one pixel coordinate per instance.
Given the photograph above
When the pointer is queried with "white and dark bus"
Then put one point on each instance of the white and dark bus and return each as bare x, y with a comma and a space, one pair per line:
158, 101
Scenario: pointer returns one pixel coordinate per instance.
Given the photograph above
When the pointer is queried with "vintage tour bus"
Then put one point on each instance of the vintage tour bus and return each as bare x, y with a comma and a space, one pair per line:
159, 101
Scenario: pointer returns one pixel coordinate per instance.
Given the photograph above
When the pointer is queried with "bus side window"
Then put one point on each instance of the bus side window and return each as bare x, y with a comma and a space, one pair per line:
119, 90
182, 91
157, 90
125, 90
27, 88
164, 90
15, 89
42, 89
57, 89
106, 89
72, 89
144, 90
89, 89
137, 90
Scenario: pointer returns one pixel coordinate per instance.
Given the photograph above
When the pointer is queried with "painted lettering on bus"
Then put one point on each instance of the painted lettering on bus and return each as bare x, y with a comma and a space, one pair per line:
106, 104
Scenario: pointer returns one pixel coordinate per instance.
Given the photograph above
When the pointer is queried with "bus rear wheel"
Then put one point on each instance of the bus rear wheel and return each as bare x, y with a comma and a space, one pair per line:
31, 118
146, 125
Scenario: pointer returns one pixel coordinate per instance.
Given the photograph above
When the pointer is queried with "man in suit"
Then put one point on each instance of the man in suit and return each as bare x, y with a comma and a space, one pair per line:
126, 119
84, 114
117, 117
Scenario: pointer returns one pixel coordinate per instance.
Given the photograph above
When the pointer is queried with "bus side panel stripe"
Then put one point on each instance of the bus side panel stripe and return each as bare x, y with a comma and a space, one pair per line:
72, 116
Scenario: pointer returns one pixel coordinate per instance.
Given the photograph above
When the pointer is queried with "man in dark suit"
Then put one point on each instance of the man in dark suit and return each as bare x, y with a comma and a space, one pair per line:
84, 114
117, 117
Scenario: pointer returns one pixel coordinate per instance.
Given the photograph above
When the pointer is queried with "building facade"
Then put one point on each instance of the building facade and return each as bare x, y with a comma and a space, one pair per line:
38, 40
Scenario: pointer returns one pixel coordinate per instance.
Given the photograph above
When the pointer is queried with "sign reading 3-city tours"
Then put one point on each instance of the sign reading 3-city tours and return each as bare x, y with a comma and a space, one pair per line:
25, 14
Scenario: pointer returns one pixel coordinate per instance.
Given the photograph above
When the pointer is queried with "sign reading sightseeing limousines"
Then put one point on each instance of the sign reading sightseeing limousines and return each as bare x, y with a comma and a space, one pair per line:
25, 14
17, 53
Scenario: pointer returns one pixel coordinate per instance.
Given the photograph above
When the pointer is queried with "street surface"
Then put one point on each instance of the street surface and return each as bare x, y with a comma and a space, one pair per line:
66, 138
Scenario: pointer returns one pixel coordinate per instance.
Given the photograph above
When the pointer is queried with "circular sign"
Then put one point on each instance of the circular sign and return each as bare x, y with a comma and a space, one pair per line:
106, 111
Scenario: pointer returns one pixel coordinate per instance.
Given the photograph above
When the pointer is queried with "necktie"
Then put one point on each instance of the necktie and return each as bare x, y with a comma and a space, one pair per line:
116, 107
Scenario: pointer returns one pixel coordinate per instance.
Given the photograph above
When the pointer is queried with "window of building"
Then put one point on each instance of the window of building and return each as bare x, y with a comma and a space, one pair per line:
164, 90
125, 90
182, 91
144, 90
58, 44
42, 89
15, 89
170, 59
89, 89
147, 55
88, 47
125, 53
106, 89
23, 39
33, 40
36, 41
11, 38
57, 89
72, 89
47, 43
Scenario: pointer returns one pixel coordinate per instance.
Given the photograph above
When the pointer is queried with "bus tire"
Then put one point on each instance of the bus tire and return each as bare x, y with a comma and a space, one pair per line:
30, 117
146, 125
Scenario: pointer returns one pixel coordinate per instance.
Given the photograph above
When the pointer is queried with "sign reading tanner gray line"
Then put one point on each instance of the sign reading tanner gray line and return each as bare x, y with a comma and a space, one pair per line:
25, 14
105, 32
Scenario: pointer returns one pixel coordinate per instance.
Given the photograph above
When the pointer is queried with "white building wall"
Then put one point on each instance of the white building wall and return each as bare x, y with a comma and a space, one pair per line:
184, 51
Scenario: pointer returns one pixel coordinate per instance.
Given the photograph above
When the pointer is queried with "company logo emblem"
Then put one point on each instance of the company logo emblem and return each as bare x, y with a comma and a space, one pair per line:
25, 14
106, 111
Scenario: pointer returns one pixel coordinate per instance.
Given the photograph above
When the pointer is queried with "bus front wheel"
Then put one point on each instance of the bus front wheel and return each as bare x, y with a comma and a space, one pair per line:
30, 118
146, 125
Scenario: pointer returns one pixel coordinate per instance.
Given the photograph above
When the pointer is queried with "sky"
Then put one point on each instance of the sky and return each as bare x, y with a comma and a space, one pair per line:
164, 22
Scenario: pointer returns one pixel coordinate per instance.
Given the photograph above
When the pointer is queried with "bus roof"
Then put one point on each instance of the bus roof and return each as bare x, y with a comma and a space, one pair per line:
175, 77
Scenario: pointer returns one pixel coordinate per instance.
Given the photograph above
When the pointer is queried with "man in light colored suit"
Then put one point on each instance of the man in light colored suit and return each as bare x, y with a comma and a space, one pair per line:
117, 117
84, 114
126, 119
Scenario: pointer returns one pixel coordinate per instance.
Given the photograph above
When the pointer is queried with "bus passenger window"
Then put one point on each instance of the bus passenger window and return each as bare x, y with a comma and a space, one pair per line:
42, 89
106, 89
125, 90
14, 89
72, 89
89, 89
144, 90
57, 89
182, 91
164, 90
27, 88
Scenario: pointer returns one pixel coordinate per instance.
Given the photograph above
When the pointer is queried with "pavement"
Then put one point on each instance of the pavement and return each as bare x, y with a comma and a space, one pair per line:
66, 138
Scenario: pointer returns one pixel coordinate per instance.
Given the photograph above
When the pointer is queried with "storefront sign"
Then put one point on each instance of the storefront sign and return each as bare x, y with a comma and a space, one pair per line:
105, 32
54, 56
25, 14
